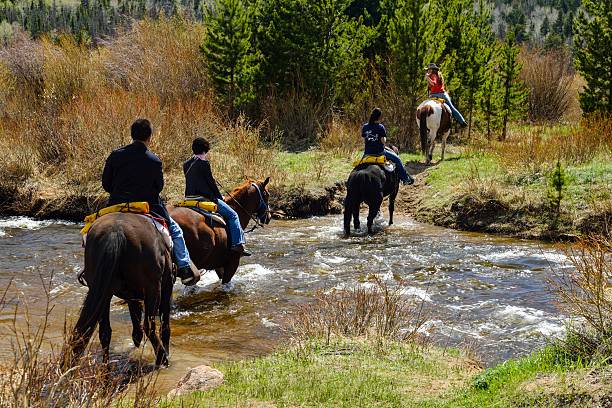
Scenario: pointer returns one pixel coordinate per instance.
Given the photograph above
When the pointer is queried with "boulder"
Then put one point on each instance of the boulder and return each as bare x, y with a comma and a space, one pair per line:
200, 378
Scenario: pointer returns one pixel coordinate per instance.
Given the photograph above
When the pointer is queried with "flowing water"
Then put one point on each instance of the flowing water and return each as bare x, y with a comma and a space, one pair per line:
481, 290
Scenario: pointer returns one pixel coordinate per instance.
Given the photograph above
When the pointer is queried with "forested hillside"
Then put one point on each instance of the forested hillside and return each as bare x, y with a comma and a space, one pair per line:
540, 22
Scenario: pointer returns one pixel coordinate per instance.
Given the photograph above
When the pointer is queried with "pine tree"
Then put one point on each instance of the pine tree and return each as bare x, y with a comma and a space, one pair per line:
490, 101
413, 42
593, 54
557, 27
513, 98
545, 28
231, 61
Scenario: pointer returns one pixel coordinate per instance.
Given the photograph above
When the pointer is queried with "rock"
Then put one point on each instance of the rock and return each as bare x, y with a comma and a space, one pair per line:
200, 378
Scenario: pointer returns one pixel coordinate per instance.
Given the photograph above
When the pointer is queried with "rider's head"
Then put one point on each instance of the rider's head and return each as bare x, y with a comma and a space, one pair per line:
141, 131
432, 68
200, 145
375, 115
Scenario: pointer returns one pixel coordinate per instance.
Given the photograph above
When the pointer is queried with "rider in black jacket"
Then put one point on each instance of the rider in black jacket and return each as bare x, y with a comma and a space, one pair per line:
134, 173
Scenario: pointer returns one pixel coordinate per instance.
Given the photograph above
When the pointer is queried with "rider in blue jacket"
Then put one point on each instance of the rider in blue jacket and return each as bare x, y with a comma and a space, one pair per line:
375, 137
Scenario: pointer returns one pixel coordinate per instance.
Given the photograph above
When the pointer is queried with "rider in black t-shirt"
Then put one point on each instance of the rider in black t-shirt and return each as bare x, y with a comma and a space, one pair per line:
375, 137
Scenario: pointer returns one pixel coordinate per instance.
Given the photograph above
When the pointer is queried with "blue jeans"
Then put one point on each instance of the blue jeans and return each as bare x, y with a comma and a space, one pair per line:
389, 154
456, 114
180, 249
235, 229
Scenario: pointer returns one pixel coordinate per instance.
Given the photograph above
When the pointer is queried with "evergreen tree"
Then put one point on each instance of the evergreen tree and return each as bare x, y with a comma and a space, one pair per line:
557, 27
545, 28
413, 42
232, 64
490, 101
513, 96
593, 54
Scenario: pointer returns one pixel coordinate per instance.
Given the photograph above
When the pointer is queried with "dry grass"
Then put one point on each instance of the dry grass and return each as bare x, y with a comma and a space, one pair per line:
585, 292
378, 310
35, 376
535, 148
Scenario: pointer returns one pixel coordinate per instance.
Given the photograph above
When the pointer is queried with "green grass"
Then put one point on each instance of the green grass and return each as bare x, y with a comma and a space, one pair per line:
352, 373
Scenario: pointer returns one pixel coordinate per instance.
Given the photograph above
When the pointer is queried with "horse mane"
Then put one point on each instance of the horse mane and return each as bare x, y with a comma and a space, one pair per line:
241, 190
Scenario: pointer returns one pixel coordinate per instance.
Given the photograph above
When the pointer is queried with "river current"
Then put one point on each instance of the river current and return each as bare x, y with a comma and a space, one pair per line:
487, 292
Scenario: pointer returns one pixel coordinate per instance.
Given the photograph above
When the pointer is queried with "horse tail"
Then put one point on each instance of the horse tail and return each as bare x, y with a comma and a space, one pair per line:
110, 247
423, 131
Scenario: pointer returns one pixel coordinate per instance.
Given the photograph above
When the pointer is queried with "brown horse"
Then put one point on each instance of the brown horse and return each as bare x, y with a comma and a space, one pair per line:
207, 240
127, 257
433, 119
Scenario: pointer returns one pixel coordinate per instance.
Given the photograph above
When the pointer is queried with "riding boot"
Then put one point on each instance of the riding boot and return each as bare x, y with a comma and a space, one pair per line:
241, 250
190, 275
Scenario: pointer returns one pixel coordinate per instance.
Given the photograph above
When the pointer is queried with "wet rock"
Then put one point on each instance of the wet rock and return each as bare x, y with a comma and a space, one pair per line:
200, 378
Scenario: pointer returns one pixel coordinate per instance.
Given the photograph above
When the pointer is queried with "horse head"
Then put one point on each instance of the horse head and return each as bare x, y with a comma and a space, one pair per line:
250, 200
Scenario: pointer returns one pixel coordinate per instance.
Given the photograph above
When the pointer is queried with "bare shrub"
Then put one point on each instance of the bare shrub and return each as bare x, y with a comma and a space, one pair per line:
35, 376
549, 77
160, 57
24, 59
584, 292
379, 310
296, 116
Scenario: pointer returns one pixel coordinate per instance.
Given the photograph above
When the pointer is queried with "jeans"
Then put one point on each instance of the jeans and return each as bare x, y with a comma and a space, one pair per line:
235, 229
389, 154
456, 114
180, 249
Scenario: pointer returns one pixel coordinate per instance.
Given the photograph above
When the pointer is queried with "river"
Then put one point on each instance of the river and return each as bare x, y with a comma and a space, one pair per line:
479, 290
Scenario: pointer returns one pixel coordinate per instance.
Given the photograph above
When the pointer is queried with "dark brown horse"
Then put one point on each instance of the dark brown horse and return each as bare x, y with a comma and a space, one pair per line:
369, 183
434, 120
207, 240
127, 257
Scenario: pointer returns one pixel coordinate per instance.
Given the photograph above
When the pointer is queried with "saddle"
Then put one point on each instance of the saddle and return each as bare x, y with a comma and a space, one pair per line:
204, 207
138, 208
380, 160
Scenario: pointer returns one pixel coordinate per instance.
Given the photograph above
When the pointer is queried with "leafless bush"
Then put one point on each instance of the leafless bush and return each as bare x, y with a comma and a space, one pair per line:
35, 375
549, 77
378, 309
585, 292
341, 137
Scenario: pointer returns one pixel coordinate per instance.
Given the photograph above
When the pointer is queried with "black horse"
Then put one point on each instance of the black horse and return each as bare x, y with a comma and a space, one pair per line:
369, 183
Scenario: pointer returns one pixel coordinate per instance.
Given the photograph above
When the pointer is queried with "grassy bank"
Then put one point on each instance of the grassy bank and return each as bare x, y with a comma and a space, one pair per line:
348, 373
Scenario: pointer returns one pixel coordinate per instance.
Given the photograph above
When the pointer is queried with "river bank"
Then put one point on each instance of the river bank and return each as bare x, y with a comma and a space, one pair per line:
469, 191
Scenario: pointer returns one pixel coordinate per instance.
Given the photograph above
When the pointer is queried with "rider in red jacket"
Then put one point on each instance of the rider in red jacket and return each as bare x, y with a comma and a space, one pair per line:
435, 85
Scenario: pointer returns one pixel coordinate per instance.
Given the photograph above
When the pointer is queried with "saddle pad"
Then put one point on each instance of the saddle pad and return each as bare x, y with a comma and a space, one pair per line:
212, 215
140, 207
208, 206
370, 160
161, 228
439, 100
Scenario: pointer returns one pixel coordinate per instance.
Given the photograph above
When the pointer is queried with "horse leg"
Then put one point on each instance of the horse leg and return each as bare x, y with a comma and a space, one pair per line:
105, 332
151, 308
220, 272
373, 209
135, 307
230, 269
432, 145
391, 209
444, 144
348, 212
166, 298
356, 222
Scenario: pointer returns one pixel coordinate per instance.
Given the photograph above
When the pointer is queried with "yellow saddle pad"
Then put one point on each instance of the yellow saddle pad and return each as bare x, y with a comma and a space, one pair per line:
202, 205
370, 160
140, 207
439, 100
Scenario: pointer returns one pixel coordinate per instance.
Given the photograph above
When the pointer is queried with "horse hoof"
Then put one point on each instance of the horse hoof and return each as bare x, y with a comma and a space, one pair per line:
137, 338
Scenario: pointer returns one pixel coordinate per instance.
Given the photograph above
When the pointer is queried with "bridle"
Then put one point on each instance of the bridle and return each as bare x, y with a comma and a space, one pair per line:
261, 216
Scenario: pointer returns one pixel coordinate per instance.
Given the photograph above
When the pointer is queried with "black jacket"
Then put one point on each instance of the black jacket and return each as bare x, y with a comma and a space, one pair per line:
133, 173
199, 180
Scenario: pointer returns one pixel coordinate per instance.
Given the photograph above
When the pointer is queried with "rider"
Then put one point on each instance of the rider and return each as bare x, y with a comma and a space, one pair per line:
134, 173
199, 182
435, 86
375, 136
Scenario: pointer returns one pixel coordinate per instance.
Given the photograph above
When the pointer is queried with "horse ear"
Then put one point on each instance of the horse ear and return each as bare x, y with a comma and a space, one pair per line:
265, 183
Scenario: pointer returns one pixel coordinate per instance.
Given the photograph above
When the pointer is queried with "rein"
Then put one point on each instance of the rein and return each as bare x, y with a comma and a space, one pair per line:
260, 211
